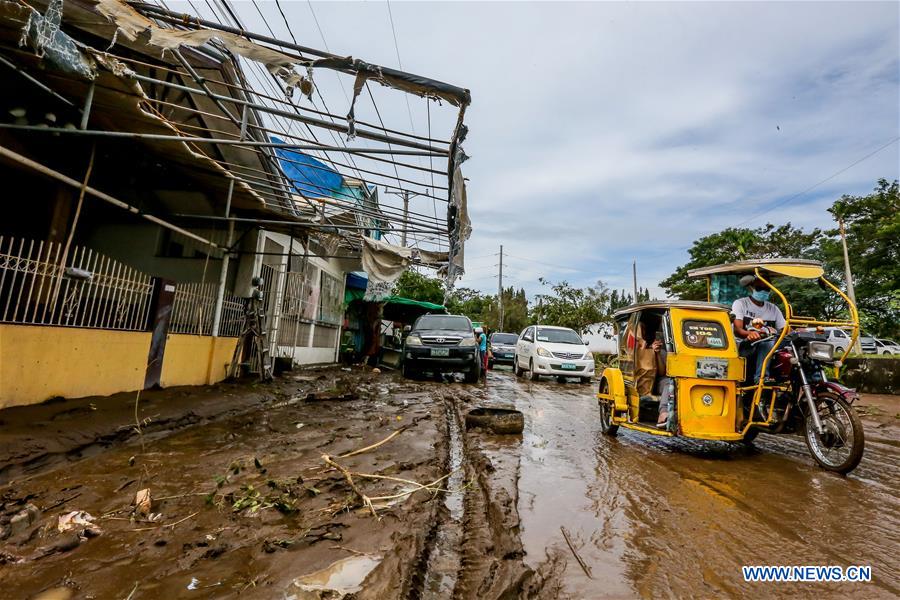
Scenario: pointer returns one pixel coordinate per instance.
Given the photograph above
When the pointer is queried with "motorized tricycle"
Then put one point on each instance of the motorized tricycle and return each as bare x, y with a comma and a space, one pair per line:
681, 360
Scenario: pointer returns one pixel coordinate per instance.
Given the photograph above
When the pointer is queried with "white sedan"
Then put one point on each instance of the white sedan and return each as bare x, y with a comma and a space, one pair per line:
556, 351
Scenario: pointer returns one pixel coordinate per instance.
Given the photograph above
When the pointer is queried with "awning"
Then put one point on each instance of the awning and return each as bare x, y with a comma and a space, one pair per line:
352, 294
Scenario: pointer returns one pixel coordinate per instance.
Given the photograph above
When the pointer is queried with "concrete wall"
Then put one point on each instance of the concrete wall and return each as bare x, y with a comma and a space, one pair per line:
872, 375
196, 359
38, 363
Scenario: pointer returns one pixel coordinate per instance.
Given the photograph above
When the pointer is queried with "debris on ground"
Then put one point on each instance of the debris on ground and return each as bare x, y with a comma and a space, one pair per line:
78, 520
498, 420
143, 502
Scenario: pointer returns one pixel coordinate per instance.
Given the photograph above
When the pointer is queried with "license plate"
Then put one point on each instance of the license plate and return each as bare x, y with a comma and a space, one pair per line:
440, 351
712, 368
569, 366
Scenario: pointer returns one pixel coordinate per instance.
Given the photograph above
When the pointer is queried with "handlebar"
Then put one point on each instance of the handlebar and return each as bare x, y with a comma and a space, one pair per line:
764, 338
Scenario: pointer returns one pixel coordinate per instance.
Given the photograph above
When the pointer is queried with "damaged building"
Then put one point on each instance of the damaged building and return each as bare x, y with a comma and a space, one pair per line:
169, 178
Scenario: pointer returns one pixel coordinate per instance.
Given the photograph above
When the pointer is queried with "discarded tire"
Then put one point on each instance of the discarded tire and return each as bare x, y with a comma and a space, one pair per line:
504, 421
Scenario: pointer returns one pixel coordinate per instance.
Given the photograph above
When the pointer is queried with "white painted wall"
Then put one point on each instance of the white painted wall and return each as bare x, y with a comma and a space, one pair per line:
602, 340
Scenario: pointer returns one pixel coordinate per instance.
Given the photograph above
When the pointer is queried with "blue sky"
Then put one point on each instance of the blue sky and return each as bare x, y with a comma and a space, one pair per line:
603, 132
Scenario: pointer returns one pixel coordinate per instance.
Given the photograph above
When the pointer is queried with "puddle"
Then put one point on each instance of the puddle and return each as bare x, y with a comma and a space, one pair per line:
342, 577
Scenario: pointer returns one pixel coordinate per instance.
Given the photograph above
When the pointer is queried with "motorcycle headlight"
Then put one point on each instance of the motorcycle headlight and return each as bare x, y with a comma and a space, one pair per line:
543, 352
821, 351
468, 341
413, 340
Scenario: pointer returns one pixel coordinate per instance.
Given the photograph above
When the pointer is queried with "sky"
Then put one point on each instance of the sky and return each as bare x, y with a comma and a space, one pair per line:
602, 133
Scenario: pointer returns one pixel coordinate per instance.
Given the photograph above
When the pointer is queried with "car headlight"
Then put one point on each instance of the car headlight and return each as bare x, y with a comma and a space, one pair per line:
544, 353
468, 341
821, 351
588, 356
413, 340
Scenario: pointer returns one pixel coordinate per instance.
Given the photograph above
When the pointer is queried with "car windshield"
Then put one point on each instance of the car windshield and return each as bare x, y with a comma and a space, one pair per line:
558, 336
444, 322
504, 338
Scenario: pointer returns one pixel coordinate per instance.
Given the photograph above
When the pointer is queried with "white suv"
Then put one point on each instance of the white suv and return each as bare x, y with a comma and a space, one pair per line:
886, 346
838, 337
558, 351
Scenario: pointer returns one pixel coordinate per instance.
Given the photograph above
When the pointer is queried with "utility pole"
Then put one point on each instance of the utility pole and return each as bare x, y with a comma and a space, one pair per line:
500, 289
406, 195
848, 276
634, 275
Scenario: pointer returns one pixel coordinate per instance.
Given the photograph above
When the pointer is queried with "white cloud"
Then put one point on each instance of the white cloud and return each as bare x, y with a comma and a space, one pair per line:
605, 131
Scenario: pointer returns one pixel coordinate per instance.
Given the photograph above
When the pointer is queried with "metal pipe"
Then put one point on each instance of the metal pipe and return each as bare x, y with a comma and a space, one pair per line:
303, 224
202, 140
185, 19
363, 133
223, 275
16, 157
88, 102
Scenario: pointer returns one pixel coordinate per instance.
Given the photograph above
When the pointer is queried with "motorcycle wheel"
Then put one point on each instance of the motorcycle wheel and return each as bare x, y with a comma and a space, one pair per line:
840, 447
606, 425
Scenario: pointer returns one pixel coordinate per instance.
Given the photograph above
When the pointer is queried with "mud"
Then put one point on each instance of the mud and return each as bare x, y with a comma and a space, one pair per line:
243, 505
658, 517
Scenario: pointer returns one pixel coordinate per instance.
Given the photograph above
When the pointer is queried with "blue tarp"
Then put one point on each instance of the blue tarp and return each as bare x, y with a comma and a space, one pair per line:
357, 280
312, 177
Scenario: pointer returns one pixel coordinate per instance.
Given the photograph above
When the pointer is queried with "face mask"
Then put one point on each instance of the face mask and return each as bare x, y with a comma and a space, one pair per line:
760, 295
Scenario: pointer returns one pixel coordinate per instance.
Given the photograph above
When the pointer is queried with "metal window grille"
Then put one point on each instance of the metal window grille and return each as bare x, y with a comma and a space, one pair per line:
232, 316
193, 308
38, 285
195, 305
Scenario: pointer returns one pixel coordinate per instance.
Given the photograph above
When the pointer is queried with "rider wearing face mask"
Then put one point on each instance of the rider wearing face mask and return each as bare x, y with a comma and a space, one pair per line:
756, 317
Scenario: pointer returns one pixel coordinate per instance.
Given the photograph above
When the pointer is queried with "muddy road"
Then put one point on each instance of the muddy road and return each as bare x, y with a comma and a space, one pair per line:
244, 504
656, 517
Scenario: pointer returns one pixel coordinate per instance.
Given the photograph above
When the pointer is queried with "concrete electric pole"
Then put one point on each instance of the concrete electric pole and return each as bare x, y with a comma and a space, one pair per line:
634, 275
848, 276
500, 289
406, 195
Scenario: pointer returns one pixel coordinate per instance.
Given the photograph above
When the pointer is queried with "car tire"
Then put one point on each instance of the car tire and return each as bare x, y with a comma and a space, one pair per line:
409, 372
585, 380
531, 373
473, 374
519, 371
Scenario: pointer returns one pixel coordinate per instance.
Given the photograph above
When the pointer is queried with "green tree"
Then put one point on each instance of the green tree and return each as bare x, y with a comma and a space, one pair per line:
622, 299
469, 302
515, 311
415, 286
872, 225
576, 308
735, 244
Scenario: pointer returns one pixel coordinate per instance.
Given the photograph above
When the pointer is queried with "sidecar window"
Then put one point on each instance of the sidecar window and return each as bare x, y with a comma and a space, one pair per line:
704, 334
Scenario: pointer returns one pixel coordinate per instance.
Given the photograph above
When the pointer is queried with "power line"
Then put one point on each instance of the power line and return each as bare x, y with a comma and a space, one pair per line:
547, 264
399, 62
827, 179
